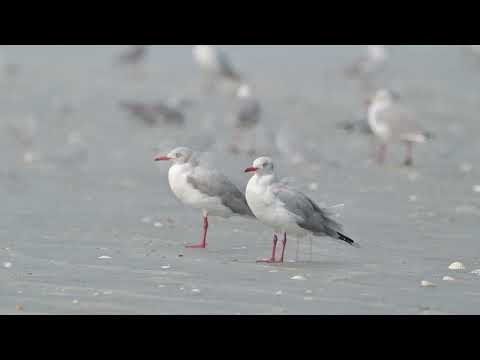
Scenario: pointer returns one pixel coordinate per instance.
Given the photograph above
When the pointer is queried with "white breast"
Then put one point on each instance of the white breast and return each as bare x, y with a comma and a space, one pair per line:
188, 195
269, 210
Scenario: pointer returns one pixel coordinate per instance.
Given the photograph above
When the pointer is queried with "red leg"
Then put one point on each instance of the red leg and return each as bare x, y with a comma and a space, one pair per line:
283, 249
274, 250
409, 157
203, 243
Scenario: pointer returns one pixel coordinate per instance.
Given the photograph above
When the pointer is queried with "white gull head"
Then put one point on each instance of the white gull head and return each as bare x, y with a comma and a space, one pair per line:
180, 155
262, 167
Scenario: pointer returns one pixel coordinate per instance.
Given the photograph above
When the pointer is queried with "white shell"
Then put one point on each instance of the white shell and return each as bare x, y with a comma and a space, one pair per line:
426, 283
298, 277
476, 189
457, 266
104, 257
448, 278
476, 272
7, 265
279, 292
166, 267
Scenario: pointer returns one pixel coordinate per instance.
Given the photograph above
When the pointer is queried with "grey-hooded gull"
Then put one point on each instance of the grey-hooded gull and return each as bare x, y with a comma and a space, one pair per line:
214, 62
374, 60
171, 111
133, 55
393, 123
204, 189
287, 210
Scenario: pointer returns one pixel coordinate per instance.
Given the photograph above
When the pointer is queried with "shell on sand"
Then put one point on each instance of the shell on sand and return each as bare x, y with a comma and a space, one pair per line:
298, 277
448, 278
457, 266
426, 283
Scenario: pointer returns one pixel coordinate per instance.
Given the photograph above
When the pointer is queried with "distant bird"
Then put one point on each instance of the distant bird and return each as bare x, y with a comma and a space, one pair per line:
248, 110
215, 64
133, 55
170, 112
393, 123
204, 189
374, 60
285, 210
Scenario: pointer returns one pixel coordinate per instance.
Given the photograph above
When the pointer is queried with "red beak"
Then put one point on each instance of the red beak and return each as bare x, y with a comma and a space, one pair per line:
251, 169
163, 158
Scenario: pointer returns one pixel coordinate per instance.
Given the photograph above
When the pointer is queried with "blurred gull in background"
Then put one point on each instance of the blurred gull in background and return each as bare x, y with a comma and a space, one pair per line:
374, 60
215, 65
246, 118
172, 111
134, 55
393, 123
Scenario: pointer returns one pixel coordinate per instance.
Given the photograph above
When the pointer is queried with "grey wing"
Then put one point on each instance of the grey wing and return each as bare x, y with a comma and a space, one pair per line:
248, 113
226, 66
310, 216
217, 185
402, 122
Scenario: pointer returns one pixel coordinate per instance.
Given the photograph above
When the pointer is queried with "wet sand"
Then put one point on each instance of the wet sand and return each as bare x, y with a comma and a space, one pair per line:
89, 187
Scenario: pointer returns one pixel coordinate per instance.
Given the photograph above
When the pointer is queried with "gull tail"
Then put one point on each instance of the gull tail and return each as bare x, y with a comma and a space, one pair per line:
349, 241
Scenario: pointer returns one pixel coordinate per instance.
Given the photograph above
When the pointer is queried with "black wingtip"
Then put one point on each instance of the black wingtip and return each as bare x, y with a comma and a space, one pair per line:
347, 240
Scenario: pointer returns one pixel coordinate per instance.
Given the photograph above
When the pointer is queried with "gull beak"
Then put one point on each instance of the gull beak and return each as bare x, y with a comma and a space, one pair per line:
251, 169
163, 158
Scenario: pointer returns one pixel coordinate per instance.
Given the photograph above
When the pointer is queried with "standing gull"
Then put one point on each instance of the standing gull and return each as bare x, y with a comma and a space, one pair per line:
215, 63
374, 60
133, 55
171, 111
286, 210
246, 118
392, 123
204, 189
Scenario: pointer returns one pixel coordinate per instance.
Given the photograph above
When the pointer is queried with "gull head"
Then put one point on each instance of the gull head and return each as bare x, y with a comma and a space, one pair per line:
244, 92
179, 155
262, 166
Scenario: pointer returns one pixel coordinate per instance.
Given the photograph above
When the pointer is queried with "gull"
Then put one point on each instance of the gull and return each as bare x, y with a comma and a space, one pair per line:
133, 55
246, 118
204, 189
374, 60
248, 110
392, 123
287, 210
170, 111
215, 63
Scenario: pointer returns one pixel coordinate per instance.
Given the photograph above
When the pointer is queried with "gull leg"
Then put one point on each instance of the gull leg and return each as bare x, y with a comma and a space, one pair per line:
203, 243
409, 157
274, 250
283, 249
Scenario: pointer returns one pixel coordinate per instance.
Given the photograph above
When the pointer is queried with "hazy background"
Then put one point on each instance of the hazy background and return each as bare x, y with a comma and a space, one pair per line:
85, 186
